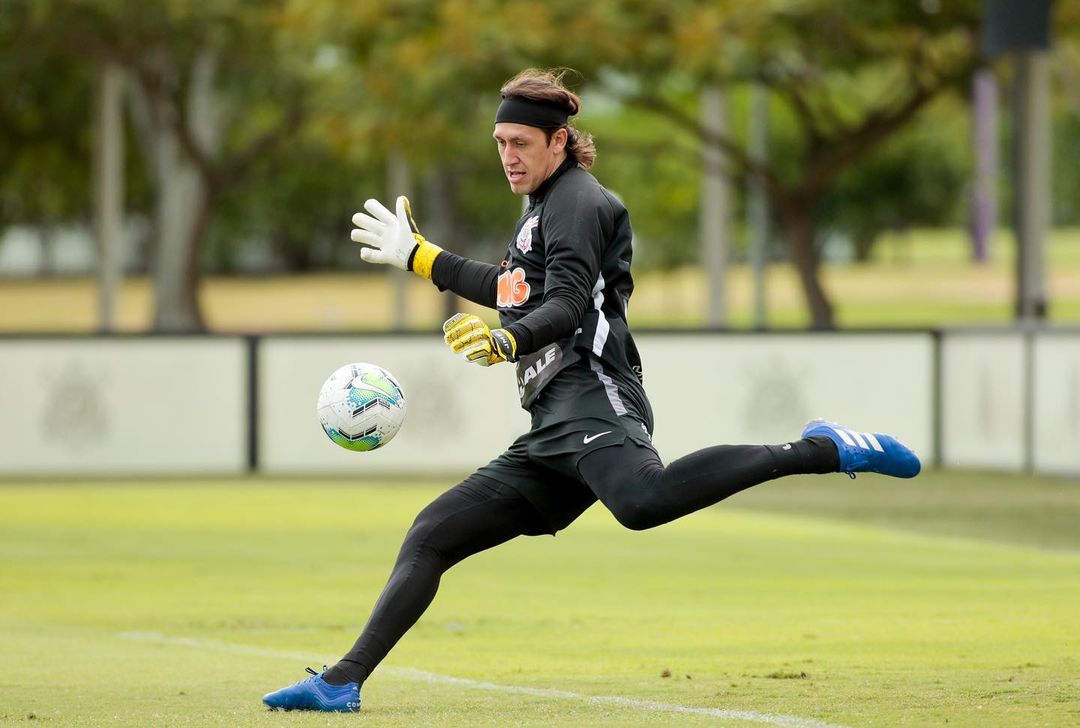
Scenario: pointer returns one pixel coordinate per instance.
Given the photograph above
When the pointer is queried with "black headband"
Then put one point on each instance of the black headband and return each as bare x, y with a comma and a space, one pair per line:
531, 113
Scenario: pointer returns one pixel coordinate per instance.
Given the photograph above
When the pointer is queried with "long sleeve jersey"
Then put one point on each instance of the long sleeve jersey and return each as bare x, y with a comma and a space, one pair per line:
563, 286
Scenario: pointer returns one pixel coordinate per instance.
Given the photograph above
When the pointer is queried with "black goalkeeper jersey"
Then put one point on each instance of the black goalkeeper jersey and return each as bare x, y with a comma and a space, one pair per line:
563, 286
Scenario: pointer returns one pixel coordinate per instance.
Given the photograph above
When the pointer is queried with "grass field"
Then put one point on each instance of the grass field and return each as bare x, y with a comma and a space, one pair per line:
921, 279
952, 599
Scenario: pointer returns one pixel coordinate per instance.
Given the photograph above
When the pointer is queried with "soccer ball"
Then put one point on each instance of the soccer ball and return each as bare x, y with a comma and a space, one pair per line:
361, 407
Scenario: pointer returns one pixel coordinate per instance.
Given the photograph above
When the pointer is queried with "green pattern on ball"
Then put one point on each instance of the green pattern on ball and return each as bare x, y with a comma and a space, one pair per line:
361, 397
380, 382
361, 444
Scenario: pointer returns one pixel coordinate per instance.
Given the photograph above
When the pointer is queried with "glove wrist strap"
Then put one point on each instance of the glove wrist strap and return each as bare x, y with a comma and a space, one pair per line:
422, 258
504, 343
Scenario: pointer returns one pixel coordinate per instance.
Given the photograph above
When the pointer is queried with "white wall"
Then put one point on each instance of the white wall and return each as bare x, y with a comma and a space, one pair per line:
86, 406
709, 389
1056, 417
983, 403
175, 405
705, 390
459, 415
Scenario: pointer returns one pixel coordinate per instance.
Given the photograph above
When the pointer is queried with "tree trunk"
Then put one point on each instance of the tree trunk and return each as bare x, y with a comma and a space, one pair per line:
142, 123
864, 244
714, 216
984, 187
183, 186
757, 205
800, 234
109, 191
181, 206
399, 182
47, 236
439, 220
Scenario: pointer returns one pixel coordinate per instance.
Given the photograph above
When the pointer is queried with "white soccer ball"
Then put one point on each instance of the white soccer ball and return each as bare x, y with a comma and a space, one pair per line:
361, 407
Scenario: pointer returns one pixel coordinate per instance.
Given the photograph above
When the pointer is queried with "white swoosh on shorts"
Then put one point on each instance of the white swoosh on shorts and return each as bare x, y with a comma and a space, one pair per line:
590, 438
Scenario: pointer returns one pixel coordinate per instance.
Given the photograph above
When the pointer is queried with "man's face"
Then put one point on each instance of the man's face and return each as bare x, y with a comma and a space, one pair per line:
527, 157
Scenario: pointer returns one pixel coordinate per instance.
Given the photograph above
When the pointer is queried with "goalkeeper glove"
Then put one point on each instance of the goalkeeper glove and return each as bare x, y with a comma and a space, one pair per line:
394, 239
469, 336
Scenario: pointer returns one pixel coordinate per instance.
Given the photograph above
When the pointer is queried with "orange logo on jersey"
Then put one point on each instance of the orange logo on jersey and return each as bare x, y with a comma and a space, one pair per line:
513, 290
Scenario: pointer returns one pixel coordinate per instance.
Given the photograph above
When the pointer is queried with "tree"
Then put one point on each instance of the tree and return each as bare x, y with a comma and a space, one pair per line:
1066, 134
295, 207
196, 140
44, 140
916, 178
849, 75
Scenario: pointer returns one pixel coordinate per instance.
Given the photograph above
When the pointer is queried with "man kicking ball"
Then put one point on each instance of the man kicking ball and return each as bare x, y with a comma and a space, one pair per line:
561, 292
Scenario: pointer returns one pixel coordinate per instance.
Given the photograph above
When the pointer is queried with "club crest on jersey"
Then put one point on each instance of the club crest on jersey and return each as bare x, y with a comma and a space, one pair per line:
524, 238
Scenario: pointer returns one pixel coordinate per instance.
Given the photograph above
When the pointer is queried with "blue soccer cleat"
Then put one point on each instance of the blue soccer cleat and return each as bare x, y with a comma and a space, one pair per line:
866, 452
314, 693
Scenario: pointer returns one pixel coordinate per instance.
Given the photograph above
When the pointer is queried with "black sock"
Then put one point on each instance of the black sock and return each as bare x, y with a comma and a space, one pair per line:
345, 672
817, 454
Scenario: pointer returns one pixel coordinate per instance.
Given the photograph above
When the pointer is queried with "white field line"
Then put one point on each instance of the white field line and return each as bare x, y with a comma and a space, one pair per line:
408, 673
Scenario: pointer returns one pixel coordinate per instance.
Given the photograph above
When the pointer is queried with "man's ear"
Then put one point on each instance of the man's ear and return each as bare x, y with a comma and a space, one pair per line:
559, 139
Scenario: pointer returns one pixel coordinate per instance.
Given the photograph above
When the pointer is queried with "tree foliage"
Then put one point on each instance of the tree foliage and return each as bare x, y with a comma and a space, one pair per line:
212, 87
849, 75
44, 138
918, 178
282, 117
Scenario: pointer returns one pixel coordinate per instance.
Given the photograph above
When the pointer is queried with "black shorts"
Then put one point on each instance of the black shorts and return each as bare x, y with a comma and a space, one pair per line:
584, 408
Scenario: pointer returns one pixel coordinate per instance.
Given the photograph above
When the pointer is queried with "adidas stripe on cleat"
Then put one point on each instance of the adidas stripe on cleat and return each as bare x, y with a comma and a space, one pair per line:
314, 693
867, 452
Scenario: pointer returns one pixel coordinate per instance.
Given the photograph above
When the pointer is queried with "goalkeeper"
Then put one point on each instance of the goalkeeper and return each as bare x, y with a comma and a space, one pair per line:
561, 291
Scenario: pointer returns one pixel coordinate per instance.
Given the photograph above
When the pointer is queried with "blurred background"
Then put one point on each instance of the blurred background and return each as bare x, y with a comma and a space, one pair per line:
176, 166
902, 169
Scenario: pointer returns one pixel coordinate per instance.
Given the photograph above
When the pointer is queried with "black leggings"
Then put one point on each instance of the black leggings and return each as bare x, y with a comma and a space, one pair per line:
630, 481
465, 520
641, 493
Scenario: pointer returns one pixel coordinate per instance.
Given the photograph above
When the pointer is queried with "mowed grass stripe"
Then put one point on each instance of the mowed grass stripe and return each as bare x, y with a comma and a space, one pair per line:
774, 614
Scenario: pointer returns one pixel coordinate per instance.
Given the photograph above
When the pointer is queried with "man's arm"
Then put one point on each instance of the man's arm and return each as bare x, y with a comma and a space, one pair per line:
575, 225
395, 239
468, 278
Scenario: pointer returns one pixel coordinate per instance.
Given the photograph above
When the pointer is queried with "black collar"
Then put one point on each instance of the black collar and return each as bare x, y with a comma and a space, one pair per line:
540, 192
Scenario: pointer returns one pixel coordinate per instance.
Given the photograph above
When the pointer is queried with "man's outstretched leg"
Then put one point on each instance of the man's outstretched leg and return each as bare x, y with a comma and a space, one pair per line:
632, 482
467, 519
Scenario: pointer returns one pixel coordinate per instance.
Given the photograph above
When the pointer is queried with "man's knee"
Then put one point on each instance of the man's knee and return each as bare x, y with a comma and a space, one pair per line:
637, 514
628, 480
423, 535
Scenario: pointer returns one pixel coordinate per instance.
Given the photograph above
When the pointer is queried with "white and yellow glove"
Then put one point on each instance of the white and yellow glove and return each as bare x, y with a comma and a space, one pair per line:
394, 239
469, 336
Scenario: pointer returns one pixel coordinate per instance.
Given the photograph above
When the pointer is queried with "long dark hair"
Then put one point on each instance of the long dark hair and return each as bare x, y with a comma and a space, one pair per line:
537, 84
